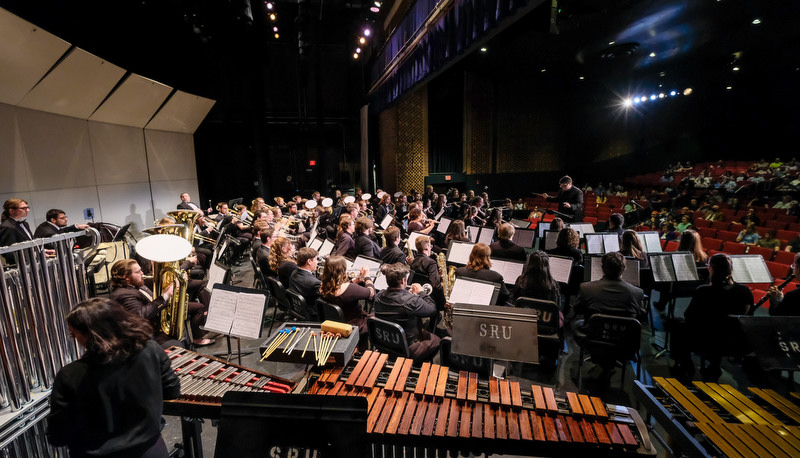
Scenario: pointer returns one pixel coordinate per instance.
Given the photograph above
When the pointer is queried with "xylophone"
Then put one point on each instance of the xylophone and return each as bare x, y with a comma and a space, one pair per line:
205, 379
435, 409
710, 419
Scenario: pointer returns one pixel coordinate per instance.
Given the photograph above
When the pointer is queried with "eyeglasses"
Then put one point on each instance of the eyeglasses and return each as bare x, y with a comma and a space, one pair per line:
23, 208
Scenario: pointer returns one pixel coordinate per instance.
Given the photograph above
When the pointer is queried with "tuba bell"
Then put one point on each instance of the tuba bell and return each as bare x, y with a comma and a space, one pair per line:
187, 218
166, 251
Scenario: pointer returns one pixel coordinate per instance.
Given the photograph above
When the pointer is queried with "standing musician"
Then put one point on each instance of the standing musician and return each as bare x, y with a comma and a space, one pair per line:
110, 401
187, 204
364, 245
14, 228
570, 200
385, 207
56, 223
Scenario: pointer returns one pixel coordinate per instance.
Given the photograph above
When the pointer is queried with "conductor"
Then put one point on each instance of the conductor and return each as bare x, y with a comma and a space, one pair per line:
570, 201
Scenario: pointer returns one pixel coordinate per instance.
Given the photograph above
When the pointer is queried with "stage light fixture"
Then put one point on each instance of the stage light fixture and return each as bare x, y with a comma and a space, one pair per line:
673, 93
661, 95
687, 91
636, 100
652, 54
374, 9
269, 5
484, 49
277, 35
729, 88
756, 21
274, 29
628, 103
355, 55
581, 77
653, 97
362, 40
367, 32
358, 50
377, 3
272, 16
735, 69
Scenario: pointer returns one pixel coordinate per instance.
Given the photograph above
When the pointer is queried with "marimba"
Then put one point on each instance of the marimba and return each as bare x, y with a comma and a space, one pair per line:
433, 408
710, 419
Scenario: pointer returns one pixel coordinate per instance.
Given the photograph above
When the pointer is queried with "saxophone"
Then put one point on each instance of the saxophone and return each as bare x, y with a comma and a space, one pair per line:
448, 278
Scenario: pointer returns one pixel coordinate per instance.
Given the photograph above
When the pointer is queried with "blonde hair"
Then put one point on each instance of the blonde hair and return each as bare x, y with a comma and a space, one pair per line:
333, 276
276, 254
479, 257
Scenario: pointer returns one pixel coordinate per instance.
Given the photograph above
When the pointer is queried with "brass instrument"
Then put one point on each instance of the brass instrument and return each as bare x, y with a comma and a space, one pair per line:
186, 218
448, 278
409, 251
166, 251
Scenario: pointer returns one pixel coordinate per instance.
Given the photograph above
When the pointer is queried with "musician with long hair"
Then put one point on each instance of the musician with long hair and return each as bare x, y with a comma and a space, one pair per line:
478, 267
538, 283
338, 289
345, 243
707, 328
567, 244
109, 402
417, 221
281, 259
690, 241
14, 228
385, 207
456, 231
631, 247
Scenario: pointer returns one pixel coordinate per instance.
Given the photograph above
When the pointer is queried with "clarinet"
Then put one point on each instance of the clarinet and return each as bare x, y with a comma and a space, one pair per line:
758, 304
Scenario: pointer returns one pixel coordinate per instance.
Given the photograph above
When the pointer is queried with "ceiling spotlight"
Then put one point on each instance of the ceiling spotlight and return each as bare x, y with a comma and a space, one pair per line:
377, 3
544, 70
367, 32
484, 49
374, 9
628, 102
636, 100
269, 5
362, 40
272, 16
662, 74
274, 29
687, 91
661, 96
355, 55
673, 93
756, 21
653, 97
643, 99
736, 69
358, 50
729, 87
581, 78
611, 43
652, 54
277, 35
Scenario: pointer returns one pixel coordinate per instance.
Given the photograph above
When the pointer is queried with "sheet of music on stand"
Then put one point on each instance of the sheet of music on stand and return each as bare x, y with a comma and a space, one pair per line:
472, 233
520, 223
373, 265
412, 240
542, 227
468, 291
510, 270
582, 228
444, 224
236, 311
560, 268
216, 274
316, 243
524, 237
602, 243
630, 275
381, 284
486, 235
671, 267
651, 242
550, 240
387, 220
750, 268
458, 252
220, 250
326, 248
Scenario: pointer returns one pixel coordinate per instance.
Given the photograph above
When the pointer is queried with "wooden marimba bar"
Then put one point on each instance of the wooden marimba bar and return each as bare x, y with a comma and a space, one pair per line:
433, 408
709, 419
205, 379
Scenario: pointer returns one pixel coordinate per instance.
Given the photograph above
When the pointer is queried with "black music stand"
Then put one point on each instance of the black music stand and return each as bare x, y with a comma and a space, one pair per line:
227, 319
269, 424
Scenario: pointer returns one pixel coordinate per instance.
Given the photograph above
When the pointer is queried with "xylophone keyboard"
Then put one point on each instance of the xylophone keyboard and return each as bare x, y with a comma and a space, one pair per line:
433, 408
710, 419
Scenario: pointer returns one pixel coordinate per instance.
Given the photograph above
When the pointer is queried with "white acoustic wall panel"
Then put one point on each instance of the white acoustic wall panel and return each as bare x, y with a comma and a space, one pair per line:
126, 203
73, 201
57, 149
170, 155
133, 103
75, 87
166, 195
14, 172
182, 113
118, 153
26, 54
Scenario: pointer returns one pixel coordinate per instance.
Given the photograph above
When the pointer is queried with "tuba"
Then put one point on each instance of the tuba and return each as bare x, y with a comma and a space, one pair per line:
166, 251
187, 218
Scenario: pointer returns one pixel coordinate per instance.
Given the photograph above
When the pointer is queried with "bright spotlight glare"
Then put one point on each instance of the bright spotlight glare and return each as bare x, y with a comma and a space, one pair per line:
272, 17
484, 49
661, 96
374, 9
652, 54
367, 32
756, 21
355, 55
687, 91
274, 29
653, 97
362, 40
636, 100
269, 5
358, 50
673, 93
628, 103
736, 69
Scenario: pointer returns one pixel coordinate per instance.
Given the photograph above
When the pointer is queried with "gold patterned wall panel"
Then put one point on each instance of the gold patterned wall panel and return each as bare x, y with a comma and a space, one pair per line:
387, 122
412, 140
477, 124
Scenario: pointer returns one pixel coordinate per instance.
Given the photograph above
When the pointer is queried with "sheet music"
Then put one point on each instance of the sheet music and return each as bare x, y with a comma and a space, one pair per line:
653, 242
326, 248
221, 311
219, 251
387, 220
685, 268
485, 235
371, 264
631, 274
313, 229
381, 284
412, 240
444, 223
524, 237
662, 269
750, 269
508, 269
348, 263
520, 223
216, 274
610, 243
542, 227
582, 228
470, 292
472, 233
459, 252
316, 243
596, 268
550, 240
248, 316
439, 215
560, 268
594, 244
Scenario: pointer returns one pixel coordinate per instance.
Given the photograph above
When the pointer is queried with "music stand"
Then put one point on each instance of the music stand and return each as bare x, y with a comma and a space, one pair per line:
239, 314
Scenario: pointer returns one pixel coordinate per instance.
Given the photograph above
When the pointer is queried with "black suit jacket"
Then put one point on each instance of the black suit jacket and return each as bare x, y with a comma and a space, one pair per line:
611, 297
506, 249
185, 206
367, 247
47, 229
11, 232
306, 284
135, 302
393, 254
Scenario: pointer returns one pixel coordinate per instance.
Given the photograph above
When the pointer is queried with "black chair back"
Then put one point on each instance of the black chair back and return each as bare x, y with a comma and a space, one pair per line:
614, 335
328, 311
388, 337
279, 298
258, 275
297, 306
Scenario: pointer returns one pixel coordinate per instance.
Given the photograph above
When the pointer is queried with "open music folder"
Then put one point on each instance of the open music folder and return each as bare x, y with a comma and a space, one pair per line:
673, 267
326, 249
236, 311
473, 291
510, 270
520, 223
602, 243
458, 252
550, 240
373, 265
217, 273
630, 275
316, 243
651, 242
524, 237
582, 228
750, 268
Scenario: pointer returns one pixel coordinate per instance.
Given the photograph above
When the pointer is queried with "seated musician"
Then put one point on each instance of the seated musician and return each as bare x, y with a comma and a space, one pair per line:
345, 244
707, 329
56, 223
690, 241
426, 266
385, 207
504, 248
258, 227
187, 204
14, 228
478, 267
364, 245
457, 232
417, 222
304, 281
122, 380
128, 289
391, 253
788, 304
611, 295
262, 254
336, 288
567, 244
631, 247
407, 308
538, 283
281, 259
616, 224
